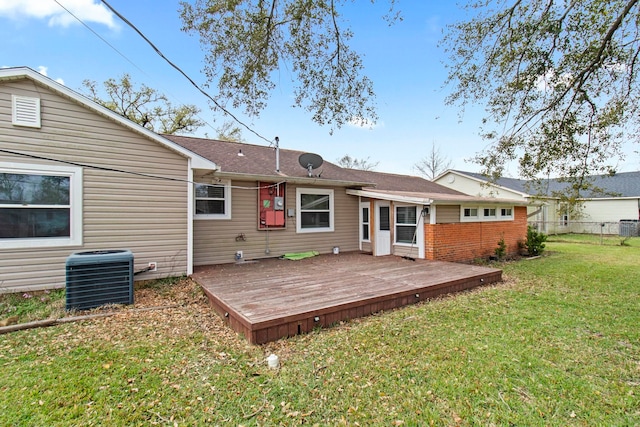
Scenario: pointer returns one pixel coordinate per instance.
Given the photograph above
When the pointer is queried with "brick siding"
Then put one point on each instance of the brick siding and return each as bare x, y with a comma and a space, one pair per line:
466, 241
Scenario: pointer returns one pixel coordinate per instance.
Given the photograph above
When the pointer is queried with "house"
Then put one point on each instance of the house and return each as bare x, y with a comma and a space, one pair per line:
603, 211
76, 177
333, 207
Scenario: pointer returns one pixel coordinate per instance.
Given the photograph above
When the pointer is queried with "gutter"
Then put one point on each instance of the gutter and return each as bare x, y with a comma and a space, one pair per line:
288, 179
391, 197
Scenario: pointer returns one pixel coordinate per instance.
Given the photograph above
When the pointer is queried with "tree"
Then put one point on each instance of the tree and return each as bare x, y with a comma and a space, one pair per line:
247, 42
559, 81
145, 106
352, 163
228, 131
432, 165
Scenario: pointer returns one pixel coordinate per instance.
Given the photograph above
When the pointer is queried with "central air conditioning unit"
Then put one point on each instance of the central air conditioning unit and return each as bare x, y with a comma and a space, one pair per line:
96, 278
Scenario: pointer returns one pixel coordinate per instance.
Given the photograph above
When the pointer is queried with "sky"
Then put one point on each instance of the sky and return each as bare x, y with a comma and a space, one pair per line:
403, 60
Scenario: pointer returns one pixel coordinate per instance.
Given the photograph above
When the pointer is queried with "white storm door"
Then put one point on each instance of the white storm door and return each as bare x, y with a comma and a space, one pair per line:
383, 228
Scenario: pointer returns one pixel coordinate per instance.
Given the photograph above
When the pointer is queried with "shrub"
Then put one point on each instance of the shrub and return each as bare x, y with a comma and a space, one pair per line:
535, 241
501, 250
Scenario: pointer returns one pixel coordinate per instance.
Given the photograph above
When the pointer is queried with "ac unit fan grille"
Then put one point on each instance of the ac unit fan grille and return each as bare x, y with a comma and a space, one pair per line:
98, 282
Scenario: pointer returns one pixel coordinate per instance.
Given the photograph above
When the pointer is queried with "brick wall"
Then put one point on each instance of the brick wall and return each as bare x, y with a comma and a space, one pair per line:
466, 241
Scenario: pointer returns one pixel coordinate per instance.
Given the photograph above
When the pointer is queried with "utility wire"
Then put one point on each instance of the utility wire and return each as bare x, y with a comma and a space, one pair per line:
216, 103
117, 51
144, 175
100, 37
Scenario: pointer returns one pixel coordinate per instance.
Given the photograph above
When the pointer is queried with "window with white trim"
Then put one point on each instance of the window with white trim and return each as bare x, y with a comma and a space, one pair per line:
470, 213
365, 222
314, 210
486, 213
489, 213
213, 201
406, 224
564, 219
40, 206
506, 213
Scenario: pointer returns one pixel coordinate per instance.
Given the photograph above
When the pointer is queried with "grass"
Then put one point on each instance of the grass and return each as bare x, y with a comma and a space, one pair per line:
556, 344
28, 306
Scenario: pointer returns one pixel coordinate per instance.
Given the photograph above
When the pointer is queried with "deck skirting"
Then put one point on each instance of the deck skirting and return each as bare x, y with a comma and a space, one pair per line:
275, 299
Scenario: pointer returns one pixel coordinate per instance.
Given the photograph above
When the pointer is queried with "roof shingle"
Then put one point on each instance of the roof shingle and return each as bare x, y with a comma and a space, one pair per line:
623, 184
250, 159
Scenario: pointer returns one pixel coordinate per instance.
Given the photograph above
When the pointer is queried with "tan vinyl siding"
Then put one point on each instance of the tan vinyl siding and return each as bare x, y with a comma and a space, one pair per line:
402, 250
446, 214
215, 239
120, 211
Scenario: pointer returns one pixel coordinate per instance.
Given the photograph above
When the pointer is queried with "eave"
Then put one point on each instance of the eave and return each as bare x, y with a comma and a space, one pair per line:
289, 179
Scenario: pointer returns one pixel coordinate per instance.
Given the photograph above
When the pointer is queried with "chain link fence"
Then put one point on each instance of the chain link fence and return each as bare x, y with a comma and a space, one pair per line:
624, 228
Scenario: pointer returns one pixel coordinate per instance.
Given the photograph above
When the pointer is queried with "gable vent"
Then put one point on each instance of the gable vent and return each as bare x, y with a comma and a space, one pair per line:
26, 111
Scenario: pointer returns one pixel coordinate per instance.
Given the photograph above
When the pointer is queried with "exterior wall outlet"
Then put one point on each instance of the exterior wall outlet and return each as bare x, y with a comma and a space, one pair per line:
239, 255
153, 266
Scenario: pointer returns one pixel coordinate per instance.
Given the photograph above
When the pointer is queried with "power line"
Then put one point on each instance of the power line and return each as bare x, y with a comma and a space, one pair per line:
140, 174
100, 37
117, 51
218, 105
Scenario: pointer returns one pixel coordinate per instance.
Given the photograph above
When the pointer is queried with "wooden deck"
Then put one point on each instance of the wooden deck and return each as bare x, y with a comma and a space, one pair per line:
274, 298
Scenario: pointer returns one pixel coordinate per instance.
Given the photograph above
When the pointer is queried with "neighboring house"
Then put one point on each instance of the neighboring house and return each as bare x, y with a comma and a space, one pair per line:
334, 207
599, 212
75, 176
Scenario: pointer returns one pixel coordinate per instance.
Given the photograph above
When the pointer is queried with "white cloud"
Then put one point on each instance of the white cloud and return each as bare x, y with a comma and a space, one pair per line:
86, 10
43, 70
364, 123
549, 81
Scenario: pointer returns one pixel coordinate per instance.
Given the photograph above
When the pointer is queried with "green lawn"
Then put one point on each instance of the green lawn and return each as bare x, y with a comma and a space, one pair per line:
556, 344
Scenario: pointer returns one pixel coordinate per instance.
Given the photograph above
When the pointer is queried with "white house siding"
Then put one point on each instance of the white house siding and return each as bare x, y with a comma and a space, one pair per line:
612, 210
120, 210
605, 211
216, 240
473, 187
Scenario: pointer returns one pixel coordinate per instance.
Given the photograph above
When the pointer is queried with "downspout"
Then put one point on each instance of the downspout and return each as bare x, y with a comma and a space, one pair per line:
190, 203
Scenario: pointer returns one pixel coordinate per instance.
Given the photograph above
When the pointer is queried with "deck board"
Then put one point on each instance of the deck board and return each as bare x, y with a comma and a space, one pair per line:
274, 298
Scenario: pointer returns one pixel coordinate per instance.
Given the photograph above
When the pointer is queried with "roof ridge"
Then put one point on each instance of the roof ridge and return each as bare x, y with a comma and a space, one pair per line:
242, 143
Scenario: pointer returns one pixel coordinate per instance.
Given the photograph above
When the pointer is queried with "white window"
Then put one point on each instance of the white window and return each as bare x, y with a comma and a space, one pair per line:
564, 219
506, 213
406, 223
25, 111
469, 213
40, 206
213, 201
314, 210
486, 213
489, 213
365, 222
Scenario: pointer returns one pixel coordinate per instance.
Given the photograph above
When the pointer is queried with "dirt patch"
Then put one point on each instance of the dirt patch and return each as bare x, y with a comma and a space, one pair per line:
175, 308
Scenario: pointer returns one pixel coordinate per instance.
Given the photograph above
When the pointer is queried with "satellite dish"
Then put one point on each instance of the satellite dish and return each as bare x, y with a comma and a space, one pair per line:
310, 161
